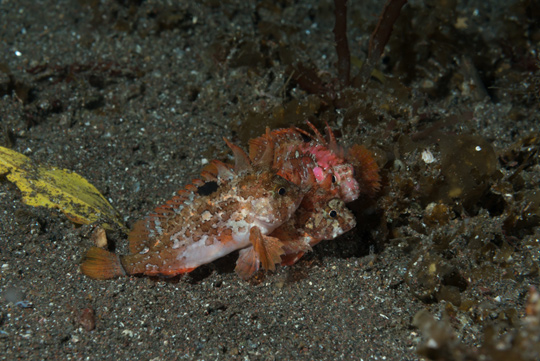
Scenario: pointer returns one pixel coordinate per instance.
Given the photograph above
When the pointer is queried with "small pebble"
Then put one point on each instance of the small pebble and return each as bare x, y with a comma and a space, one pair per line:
99, 237
87, 319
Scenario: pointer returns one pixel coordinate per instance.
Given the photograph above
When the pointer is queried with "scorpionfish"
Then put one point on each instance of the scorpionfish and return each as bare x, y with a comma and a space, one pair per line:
250, 201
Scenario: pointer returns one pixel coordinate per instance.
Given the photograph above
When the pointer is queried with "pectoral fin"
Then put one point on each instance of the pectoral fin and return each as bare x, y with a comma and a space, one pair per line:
295, 243
247, 263
268, 249
294, 249
290, 259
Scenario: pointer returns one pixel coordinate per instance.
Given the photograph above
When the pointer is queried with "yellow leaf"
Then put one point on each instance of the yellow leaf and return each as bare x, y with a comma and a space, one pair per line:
57, 188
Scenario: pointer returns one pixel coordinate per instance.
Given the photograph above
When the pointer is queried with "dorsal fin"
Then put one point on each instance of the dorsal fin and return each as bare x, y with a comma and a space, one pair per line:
283, 136
331, 141
304, 133
191, 187
210, 170
224, 171
209, 176
267, 156
241, 159
330, 134
198, 182
318, 136
257, 146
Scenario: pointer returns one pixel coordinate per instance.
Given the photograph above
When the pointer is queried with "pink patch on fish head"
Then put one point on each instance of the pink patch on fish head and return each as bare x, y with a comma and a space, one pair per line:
324, 157
319, 174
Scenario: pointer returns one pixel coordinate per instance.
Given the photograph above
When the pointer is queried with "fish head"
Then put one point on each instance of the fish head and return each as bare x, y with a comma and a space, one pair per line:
273, 201
328, 221
333, 172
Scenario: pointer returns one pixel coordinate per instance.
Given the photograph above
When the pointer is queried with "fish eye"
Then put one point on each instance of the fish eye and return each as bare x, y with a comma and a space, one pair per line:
334, 180
282, 191
333, 214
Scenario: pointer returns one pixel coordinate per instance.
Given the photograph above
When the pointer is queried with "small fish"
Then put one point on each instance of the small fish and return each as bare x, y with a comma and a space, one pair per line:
324, 223
250, 201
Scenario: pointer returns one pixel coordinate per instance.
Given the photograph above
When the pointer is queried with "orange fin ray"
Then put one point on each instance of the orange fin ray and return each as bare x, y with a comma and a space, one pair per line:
332, 142
303, 132
210, 170
267, 157
101, 264
330, 135
257, 147
286, 135
268, 249
208, 176
198, 182
224, 171
316, 132
247, 263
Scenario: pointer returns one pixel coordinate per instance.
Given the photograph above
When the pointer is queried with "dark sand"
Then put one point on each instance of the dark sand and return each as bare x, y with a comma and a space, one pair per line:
136, 96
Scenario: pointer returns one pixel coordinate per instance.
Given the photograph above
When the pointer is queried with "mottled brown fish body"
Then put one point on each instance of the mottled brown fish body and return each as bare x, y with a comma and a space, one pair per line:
191, 230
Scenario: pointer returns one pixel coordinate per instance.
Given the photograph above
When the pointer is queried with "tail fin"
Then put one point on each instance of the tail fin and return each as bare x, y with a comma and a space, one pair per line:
101, 264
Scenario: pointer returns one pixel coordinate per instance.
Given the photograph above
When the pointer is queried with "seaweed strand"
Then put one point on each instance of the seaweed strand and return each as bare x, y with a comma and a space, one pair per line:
380, 36
342, 45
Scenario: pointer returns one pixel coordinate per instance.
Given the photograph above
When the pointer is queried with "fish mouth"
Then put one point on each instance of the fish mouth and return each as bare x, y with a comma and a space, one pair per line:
266, 227
296, 204
350, 192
